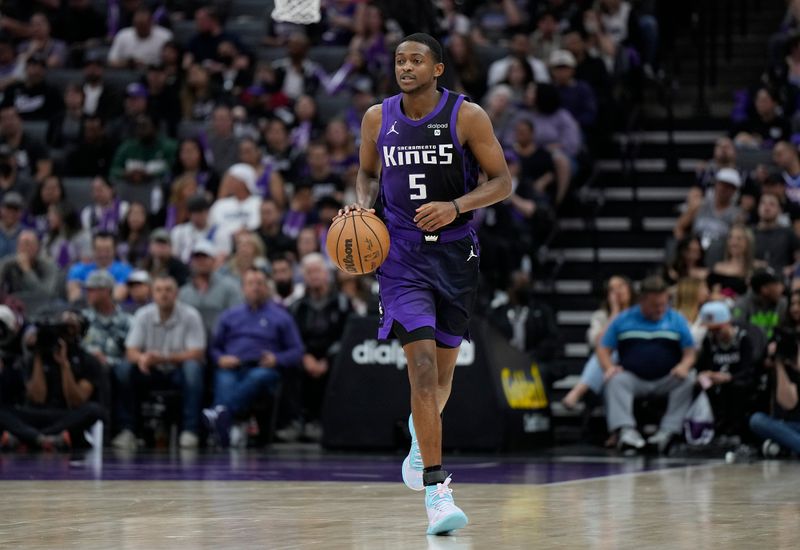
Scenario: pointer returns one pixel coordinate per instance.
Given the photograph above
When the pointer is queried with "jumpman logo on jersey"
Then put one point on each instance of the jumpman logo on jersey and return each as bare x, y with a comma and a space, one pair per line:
392, 129
471, 253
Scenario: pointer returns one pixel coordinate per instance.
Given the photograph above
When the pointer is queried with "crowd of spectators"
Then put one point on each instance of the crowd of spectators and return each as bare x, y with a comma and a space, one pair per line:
168, 171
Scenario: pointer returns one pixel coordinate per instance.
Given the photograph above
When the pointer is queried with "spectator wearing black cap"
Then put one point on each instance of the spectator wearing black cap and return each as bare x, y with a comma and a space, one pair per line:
776, 244
31, 160
123, 127
207, 290
10, 227
99, 98
764, 305
139, 45
160, 261
184, 236
34, 98
162, 99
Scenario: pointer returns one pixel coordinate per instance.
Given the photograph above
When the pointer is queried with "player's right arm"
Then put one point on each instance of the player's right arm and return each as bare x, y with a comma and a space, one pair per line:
369, 168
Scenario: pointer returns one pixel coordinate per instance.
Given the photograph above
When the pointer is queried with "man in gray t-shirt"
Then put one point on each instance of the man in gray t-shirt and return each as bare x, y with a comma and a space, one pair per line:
711, 218
165, 349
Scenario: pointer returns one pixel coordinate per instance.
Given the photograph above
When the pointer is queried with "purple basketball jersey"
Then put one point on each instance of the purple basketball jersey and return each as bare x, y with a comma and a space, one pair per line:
422, 160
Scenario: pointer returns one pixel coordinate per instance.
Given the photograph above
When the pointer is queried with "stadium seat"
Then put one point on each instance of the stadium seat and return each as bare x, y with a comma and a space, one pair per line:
118, 79
329, 107
249, 32
255, 9
490, 53
270, 54
78, 191
37, 129
190, 129
61, 77
182, 31
330, 57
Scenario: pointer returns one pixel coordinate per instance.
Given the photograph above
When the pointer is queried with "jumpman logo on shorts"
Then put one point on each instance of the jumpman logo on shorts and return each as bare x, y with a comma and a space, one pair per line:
392, 129
471, 253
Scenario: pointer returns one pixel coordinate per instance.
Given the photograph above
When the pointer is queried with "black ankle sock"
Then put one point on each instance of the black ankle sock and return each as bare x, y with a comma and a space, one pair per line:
433, 475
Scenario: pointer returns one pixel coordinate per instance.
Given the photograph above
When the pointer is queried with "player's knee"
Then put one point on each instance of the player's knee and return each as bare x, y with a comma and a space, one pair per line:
423, 373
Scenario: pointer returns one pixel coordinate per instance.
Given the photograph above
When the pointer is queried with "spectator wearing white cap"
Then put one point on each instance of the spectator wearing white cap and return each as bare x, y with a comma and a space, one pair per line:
725, 368
241, 206
711, 218
208, 291
140, 291
184, 236
577, 96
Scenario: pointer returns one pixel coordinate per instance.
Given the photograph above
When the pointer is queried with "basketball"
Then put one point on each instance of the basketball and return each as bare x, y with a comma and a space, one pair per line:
358, 242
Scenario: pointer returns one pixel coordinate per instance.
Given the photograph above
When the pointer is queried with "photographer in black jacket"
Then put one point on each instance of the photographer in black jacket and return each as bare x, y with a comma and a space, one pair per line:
60, 381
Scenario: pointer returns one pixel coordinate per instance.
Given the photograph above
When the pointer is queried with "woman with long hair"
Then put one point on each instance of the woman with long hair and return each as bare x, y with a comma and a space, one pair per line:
470, 73
686, 262
134, 234
198, 95
729, 278
183, 188
65, 242
106, 211
49, 192
619, 296
191, 161
690, 294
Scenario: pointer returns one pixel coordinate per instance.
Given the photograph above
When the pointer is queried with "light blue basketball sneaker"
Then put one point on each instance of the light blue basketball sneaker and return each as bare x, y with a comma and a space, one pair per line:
412, 465
443, 514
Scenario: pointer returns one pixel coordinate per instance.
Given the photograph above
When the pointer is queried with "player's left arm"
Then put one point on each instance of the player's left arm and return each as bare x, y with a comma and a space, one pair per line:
476, 132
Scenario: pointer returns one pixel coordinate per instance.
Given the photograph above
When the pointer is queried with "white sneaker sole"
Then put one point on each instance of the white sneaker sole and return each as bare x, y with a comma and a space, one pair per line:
457, 520
411, 477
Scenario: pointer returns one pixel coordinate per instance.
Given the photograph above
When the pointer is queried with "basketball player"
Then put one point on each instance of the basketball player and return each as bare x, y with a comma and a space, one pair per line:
427, 145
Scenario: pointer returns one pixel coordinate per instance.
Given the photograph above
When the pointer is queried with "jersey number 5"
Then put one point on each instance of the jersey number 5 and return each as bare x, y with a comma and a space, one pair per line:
418, 190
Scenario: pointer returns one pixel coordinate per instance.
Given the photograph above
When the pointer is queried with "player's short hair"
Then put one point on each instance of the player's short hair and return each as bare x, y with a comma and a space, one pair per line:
433, 45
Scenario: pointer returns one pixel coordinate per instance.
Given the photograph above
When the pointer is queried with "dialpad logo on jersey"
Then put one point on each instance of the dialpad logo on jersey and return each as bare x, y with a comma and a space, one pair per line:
437, 128
372, 352
412, 155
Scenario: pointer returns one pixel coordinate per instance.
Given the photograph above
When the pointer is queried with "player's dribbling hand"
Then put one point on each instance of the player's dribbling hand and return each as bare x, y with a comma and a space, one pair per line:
352, 207
432, 216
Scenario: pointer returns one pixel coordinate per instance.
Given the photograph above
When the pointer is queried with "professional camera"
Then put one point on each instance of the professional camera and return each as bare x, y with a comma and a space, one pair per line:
69, 326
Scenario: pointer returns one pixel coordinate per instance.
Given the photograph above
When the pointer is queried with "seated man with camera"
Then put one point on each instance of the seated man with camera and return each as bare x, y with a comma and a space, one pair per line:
781, 430
165, 349
61, 382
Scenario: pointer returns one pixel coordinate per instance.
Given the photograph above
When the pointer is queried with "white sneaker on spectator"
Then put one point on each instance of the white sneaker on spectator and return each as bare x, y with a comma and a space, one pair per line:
188, 440
239, 435
661, 439
125, 441
312, 431
631, 438
770, 449
290, 433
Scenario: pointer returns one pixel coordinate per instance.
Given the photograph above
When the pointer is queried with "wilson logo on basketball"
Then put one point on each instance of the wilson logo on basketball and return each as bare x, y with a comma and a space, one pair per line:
349, 262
